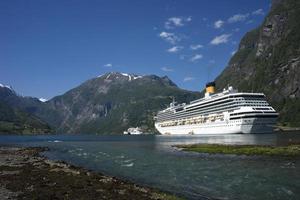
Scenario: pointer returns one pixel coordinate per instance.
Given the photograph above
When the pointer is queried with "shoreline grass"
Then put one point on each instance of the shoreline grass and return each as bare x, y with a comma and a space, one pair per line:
290, 151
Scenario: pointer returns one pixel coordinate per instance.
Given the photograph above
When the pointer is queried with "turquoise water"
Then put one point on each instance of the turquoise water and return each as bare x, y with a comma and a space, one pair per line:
151, 161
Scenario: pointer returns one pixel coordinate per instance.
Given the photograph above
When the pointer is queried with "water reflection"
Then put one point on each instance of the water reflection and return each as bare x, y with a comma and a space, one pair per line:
241, 139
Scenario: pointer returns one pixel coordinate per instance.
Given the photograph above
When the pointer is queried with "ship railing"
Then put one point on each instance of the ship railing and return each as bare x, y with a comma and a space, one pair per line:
194, 120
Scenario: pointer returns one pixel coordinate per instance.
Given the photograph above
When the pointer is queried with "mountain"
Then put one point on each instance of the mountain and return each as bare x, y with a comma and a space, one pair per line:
268, 61
111, 103
108, 104
15, 120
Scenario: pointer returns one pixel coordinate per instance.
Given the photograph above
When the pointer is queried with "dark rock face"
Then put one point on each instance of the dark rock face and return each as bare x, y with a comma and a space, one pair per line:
268, 60
273, 30
275, 3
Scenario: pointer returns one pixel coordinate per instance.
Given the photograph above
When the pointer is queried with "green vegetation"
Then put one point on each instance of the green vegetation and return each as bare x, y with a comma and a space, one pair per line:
19, 122
165, 196
291, 150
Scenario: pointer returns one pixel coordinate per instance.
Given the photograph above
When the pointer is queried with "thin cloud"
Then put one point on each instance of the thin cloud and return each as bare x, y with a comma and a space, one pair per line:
221, 39
188, 78
238, 18
233, 52
258, 12
167, 69
196, 57
174, 49
218, 24
196, 46
174, 22
169, 37
108, 65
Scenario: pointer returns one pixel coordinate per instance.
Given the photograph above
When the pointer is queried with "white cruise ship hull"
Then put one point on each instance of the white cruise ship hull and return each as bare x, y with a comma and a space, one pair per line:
241, 126
227, 112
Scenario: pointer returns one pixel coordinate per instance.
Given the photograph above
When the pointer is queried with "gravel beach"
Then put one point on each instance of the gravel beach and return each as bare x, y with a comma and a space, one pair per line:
25, 174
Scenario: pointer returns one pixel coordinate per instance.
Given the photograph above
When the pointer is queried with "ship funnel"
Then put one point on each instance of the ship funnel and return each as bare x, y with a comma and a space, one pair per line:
210, 87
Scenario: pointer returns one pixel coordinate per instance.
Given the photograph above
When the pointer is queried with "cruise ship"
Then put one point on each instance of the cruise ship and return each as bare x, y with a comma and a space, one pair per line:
227, 112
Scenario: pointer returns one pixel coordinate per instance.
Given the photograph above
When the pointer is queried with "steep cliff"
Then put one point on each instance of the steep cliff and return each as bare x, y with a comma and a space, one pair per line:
268, 61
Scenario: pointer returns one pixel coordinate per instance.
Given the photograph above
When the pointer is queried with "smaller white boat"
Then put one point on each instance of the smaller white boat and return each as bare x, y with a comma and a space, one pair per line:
133, 131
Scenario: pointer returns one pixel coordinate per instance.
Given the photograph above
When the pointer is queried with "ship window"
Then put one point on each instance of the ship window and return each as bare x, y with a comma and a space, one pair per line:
178, 109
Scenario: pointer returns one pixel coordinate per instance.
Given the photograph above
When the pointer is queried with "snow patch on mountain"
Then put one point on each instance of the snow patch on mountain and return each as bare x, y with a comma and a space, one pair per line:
6, 86
43, 99
137, 77
107, 77
118, 75
131, 76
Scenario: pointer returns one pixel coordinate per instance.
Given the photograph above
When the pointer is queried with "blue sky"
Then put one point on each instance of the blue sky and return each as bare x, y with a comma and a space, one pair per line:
50, 46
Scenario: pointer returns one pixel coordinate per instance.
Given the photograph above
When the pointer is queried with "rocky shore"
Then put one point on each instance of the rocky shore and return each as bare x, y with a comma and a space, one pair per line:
25, 174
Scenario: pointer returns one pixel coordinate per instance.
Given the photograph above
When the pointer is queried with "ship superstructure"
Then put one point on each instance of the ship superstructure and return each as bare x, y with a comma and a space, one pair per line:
226, 112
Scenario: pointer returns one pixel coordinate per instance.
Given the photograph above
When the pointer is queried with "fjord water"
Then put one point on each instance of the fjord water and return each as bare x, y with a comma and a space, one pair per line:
151, 160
